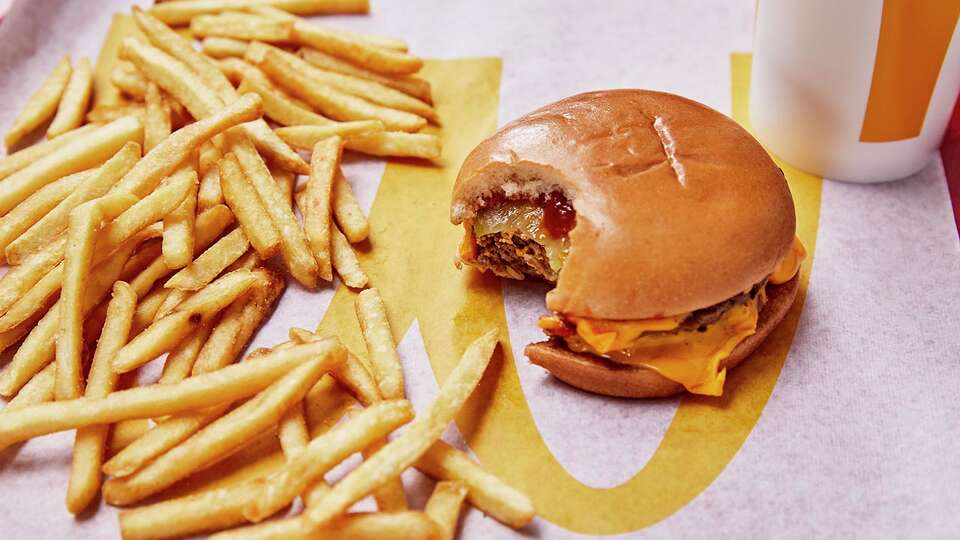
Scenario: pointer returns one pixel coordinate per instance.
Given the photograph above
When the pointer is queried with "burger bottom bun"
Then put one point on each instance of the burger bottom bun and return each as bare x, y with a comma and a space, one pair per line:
601, 376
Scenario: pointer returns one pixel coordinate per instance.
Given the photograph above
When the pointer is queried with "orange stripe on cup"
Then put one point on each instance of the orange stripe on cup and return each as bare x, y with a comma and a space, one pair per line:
914, 37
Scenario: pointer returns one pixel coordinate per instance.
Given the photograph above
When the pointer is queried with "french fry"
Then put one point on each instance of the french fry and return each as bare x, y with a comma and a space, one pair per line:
139, 261
125, 431
170, 303
293, 432
403, 451
484, 490
391, 496
444, 506
85, 221
210, 224
39, 234
381, 348
19, 279
209, 193
346, 209
202, 103
181, 359
175, 13
248, 261
39, 389
34, 301
211, 262
147, 211
209, 510
291, 72
223, 47
157, 125
81, 153
316, 204
357, 51
38, 348
354, 526
103, 114
156, 339
279, 106
243, 200
293, 243
412, 86
226, 434
346, 263
220, 293
397, 144
307, 136
287, 182
42, 105
170, 153
129, 80
89, 444
12, 163
386, 42
351, 374
241, 26
147, 309
75, 100
226, 385
234, 69
325, 452
178, 240
238, 323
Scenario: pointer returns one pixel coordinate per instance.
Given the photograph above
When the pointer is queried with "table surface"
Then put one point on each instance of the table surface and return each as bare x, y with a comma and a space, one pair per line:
861, 434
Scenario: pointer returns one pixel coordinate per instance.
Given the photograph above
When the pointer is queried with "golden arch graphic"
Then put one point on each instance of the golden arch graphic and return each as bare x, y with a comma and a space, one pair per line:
411, 262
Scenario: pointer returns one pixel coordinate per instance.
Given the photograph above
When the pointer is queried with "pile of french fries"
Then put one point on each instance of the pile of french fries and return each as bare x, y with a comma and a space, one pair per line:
145, 234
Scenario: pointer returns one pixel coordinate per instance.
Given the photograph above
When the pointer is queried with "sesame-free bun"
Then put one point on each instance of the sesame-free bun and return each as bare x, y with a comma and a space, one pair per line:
678, 207
601, 376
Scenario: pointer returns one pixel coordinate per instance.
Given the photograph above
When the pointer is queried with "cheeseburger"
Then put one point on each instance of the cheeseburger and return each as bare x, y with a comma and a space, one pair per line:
667, 231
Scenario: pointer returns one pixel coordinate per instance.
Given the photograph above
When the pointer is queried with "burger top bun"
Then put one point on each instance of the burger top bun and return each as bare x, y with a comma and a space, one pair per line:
678, 207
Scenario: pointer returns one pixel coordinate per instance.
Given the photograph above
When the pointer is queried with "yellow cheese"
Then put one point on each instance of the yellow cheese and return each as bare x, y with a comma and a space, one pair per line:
515, 216
606, 336
790, 264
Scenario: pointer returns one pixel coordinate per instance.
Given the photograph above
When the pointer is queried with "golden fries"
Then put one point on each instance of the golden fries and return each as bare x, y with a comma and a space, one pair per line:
381, 348
444, 506
225, 434
81, 153
412, 86
41, 105
12, 163
354, 526
55, 221
241, 26
316, 202
293, 243
156, 123
209, 510
293, 73
88, 447
234, 69
74, 102
211, 262
170, 153
246, 205
38, 349
39, 390
346, 263
357, 51
181, 359
85, 221
351, 374
223, 47
347, 211
35, 207
279, 106
128, 79
226, 385
220, 293
484, 490
324, 452
209, 193
391, 496
26, 275
397, 144
182, 12
158, 338
400, 453
178, 225
307, 136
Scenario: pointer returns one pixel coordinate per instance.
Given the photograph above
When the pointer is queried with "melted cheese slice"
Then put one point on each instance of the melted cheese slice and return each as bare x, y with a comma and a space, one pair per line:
790, 264
514, 216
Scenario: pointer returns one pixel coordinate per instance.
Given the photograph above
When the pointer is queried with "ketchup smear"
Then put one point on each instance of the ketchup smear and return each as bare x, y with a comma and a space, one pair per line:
559, 217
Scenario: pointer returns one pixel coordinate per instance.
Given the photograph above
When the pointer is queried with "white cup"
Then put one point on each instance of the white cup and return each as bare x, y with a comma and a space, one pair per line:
855, 90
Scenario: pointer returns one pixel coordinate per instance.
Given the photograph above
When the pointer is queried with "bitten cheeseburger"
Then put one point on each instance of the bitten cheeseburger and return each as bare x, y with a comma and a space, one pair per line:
668, 231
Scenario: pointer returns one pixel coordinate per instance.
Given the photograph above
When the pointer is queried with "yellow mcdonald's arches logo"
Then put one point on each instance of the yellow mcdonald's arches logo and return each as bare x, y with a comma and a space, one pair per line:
411, 261
913, 42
